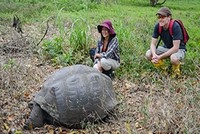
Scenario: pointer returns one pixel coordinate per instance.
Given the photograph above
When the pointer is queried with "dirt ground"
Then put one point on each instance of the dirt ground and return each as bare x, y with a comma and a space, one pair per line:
142, 107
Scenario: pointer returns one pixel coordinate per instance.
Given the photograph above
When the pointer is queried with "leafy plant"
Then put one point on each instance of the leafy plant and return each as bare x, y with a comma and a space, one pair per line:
72, 48
79, 38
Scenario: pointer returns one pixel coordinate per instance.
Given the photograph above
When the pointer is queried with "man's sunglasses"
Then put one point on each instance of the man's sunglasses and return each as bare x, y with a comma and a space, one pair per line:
161, 16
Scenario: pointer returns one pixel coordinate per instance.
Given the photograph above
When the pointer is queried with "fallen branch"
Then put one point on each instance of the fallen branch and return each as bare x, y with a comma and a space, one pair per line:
44, 33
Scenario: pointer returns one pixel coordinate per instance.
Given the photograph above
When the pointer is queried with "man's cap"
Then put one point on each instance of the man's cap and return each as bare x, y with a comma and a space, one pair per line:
164, 11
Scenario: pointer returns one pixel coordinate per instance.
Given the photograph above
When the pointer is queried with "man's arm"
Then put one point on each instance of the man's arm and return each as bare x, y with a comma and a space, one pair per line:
153, 46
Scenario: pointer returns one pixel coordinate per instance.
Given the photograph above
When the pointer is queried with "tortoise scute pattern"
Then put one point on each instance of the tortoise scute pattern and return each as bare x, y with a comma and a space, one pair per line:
77, 93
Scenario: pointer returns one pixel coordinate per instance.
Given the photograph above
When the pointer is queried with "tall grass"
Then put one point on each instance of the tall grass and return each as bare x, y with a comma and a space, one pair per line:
72, 44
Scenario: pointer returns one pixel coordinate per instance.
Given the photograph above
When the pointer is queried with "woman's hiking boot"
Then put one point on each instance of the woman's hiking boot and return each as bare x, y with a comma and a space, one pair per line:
109, 73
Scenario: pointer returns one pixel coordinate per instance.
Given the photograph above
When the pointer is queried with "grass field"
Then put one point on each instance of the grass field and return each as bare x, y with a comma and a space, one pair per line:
149, 101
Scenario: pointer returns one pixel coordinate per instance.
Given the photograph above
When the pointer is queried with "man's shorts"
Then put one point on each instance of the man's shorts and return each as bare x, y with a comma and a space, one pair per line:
180, 54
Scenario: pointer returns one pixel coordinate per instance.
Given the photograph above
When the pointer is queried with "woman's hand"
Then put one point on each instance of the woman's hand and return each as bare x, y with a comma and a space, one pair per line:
97, 55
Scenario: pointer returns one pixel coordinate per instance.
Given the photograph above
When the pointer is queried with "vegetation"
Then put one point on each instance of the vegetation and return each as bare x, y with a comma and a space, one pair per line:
150, 102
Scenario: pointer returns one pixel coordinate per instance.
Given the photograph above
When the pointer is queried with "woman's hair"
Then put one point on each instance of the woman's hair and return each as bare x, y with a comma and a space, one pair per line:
110, 37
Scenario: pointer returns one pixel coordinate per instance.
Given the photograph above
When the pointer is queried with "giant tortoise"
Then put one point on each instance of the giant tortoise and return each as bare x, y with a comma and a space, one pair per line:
72, 96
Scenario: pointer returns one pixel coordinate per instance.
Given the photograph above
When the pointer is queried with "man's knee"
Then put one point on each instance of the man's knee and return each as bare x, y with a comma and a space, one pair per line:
174, 59
148, 55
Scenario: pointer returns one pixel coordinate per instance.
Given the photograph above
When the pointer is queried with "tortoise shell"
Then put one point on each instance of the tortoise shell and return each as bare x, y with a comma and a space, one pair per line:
77, 93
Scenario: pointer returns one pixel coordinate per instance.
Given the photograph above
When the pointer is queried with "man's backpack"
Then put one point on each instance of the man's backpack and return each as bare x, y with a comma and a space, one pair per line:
183, 29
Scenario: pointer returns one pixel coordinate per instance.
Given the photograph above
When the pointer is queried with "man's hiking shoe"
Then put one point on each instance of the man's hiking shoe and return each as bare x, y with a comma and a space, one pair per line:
176, 72
159, 64
162, 67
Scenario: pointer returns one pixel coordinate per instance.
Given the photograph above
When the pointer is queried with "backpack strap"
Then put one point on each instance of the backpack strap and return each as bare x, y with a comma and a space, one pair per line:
158, 42
159, 32
159, 29
171, 23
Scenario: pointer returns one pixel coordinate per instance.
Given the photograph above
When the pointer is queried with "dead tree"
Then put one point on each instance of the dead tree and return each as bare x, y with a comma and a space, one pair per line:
17, 24
155, 2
